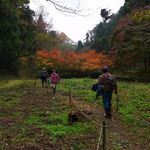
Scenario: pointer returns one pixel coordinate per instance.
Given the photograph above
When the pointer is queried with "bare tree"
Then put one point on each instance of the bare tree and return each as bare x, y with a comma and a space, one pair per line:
60, 6
42, 14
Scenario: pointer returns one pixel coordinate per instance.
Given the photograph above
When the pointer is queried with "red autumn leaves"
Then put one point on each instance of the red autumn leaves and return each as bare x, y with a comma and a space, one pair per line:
61, 60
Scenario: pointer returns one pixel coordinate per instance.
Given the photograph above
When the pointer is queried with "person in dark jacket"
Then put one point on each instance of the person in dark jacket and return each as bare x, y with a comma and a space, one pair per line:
109, 84
43, 76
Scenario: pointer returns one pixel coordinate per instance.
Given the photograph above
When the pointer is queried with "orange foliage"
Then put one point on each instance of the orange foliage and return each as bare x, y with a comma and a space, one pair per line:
23, 58
88, 61
69, 59
63, 37
94, 61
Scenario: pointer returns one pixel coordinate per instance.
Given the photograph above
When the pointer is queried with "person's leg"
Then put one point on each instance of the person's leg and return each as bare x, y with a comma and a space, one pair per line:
106, 104
54, 89
46, 82
42, 83
109, 101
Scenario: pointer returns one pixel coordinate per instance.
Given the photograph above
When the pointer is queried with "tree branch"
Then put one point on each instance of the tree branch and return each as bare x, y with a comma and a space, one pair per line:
66, 9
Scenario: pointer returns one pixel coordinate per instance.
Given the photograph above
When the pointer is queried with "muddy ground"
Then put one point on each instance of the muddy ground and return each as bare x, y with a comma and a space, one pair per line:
16, 135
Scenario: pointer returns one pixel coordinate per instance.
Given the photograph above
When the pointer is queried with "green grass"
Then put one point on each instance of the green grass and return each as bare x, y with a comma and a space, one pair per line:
9, 97
32, 120
54, 121
79, 87
133, 98
64, 130
135, 95
21, 136
10, 84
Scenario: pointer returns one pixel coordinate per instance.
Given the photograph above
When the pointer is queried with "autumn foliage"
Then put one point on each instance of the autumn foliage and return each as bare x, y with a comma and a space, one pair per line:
69, 62
131, 40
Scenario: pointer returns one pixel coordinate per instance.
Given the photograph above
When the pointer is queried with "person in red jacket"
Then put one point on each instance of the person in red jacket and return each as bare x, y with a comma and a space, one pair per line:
54, 80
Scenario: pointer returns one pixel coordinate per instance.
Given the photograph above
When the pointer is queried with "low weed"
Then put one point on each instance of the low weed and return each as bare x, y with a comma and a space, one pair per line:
10, 84
132, 97
53, 118
9, 97
80, 146
64, 130
32, 120
20, 131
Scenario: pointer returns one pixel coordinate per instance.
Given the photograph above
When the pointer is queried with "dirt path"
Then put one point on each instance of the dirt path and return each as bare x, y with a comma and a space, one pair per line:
20, 128
117, 133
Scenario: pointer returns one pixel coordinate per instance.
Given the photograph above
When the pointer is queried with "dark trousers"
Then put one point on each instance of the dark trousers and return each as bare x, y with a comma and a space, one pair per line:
107, 97
54, 90
44, 81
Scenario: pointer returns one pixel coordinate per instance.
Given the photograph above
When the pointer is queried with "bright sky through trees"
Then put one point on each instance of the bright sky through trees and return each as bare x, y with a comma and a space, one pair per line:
75, 26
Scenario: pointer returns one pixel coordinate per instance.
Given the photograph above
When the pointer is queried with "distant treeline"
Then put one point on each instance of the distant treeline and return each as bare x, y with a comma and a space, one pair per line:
22, 34
124, 38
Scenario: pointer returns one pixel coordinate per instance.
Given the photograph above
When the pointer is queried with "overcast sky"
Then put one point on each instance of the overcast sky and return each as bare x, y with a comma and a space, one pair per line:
75, 26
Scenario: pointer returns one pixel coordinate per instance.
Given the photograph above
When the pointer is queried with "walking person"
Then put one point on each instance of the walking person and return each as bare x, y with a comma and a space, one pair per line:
54, 81
109, 84
43, 76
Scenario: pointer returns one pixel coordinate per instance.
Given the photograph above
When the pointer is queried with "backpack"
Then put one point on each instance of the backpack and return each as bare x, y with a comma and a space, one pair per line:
110, 81
43, 75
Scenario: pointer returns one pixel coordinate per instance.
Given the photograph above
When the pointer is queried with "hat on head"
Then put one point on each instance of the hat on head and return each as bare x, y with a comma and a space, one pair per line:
105, 69
54, 71
44, 68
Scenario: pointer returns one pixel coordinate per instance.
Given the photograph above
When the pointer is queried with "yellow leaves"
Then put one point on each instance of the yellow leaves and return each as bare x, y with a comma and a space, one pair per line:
23, 22
141, 15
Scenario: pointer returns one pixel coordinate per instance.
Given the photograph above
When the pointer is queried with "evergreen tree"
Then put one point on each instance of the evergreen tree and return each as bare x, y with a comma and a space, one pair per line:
79, 46
9, 33
17, 30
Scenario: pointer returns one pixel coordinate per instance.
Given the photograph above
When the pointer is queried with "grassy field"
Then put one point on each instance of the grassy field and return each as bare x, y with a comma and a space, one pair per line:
31, 119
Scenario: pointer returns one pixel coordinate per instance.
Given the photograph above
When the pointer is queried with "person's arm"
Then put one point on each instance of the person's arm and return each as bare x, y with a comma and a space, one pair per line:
99, 80
47, 74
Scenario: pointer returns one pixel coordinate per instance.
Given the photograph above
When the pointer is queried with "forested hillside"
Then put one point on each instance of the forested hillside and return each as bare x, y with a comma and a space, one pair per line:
22, 35
125, 36
121, 41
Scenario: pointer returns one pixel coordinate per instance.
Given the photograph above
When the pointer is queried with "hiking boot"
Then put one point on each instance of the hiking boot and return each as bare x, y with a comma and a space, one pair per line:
107, 114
